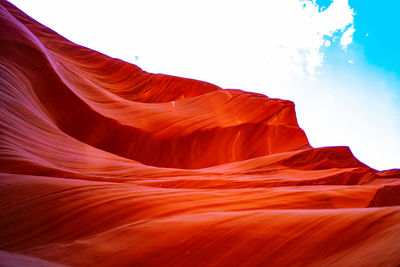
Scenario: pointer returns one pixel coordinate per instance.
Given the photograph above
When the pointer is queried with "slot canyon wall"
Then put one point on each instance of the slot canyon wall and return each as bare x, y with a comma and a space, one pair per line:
102, 163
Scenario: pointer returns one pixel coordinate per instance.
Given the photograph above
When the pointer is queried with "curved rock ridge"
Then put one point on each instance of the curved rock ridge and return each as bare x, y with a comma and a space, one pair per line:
102, 163
118, 108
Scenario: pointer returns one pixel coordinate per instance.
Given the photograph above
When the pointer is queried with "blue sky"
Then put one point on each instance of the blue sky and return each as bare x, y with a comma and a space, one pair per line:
363, 82
378, 32
338, 60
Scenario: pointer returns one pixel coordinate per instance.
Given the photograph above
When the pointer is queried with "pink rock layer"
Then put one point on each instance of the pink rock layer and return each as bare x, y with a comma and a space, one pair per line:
104, 164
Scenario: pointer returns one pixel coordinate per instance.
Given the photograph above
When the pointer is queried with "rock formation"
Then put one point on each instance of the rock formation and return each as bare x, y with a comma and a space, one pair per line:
104, 164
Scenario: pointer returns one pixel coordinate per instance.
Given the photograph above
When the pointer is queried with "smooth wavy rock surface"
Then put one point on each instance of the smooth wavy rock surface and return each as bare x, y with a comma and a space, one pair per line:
104, 164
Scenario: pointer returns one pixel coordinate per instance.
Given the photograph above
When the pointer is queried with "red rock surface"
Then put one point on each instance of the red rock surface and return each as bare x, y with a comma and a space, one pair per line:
105, 164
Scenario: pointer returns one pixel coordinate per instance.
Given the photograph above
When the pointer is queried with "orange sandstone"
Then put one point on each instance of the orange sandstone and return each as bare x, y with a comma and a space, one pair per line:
102, 163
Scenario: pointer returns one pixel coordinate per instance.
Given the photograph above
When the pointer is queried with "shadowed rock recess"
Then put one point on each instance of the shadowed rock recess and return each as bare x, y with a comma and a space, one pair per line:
104, 164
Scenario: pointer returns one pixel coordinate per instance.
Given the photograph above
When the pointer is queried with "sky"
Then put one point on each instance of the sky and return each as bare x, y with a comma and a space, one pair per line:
338, 60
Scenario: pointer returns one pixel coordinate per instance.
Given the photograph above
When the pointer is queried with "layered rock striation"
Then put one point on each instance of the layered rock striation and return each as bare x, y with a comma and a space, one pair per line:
102, 163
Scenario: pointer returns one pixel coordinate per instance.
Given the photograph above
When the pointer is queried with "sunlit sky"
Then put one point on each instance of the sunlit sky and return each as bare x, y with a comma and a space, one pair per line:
338, 60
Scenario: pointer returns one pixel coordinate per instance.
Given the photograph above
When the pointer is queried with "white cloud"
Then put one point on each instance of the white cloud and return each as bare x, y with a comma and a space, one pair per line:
327, 43
347, 37
227, 42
